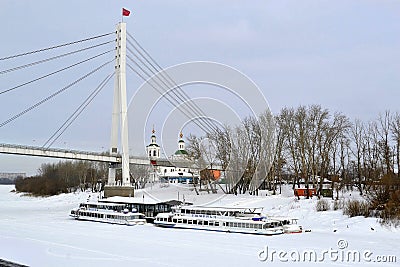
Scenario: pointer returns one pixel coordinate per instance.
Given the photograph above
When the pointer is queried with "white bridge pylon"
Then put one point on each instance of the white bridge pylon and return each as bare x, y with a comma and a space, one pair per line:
119, 114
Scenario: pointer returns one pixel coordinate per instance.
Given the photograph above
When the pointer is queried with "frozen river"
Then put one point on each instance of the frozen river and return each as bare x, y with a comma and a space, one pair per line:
39, 232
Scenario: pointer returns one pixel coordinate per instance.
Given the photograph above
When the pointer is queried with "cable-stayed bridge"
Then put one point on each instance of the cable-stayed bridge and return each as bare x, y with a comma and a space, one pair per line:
127, 53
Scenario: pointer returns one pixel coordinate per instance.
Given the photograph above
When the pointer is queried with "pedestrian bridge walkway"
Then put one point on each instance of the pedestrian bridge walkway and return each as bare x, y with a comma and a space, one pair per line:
67, 154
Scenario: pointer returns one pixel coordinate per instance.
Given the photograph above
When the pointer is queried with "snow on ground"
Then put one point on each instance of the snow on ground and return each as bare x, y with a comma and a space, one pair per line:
39, 232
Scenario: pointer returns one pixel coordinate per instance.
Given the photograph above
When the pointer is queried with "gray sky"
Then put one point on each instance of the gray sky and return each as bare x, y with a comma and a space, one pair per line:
343, 55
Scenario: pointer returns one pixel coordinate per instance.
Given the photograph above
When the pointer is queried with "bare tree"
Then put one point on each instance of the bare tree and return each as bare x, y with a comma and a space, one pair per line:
383, 130
288, 126
372, 160
357, 134
140, 175
332, 131
221, 138
395, 128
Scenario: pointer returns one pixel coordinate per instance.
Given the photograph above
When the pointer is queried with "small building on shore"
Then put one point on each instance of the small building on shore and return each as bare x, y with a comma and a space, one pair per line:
146, 205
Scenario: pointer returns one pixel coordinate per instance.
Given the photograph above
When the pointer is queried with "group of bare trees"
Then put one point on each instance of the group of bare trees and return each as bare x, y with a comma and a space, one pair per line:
244, 152
312, 144
308, 145
64, 177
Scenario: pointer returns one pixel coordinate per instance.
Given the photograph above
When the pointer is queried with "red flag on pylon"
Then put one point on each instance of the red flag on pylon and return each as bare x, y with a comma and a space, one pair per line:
125, 12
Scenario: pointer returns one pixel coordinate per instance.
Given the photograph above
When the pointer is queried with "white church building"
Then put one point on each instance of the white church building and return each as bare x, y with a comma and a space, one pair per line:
178, 168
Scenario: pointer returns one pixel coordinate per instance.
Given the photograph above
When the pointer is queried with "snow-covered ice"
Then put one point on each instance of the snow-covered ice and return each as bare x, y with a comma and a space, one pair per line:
39, 232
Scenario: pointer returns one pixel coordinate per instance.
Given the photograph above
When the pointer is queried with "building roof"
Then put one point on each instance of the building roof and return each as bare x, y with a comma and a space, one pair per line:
178, 174
181, 152
153, 145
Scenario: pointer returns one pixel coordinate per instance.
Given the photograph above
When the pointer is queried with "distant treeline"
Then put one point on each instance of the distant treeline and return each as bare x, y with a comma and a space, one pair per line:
310, 142
64, 177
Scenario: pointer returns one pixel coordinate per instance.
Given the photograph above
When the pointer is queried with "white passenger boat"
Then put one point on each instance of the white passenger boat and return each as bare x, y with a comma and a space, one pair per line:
219, 219
107, 213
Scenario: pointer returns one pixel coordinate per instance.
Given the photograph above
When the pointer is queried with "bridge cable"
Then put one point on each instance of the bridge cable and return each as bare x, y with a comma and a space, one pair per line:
185, 109
171, 99
196, 109
54, 94
161, 70
56, 46
52, 73
200, 120
173, 103
169, 92
77, 112
52, 58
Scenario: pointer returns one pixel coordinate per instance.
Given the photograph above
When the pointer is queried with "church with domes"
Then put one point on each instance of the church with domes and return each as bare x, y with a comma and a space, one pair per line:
178, 168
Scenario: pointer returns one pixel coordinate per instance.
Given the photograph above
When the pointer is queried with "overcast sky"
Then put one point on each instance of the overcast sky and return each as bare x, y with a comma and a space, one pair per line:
343, 55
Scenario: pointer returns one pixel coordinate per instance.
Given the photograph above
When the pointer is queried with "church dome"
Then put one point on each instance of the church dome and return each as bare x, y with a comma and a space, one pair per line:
181, 152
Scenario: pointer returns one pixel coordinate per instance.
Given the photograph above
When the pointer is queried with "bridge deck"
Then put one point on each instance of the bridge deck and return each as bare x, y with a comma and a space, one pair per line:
66, 154
79, 155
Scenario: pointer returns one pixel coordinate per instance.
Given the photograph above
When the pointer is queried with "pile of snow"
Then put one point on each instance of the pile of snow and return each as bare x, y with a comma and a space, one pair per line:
39, 232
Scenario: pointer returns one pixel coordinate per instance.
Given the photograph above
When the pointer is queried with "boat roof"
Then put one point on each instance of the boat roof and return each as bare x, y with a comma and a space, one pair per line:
139, 200
239, 209
103, 204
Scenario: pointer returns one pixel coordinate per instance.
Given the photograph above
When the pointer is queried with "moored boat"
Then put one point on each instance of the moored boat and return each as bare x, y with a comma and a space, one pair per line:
218, 219
107, 213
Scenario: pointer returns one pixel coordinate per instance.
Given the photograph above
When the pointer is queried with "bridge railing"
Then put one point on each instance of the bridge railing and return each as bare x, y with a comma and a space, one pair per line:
55, 150
29, 150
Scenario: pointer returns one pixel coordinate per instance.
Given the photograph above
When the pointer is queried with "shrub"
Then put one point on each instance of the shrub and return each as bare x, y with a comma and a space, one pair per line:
323, 205
391, 212
354, 208
338, 204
